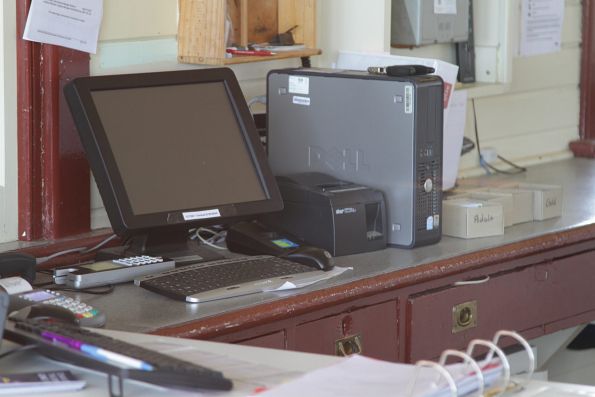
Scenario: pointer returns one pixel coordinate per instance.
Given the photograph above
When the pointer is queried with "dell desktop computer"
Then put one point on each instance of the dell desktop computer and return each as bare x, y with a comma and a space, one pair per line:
380, 131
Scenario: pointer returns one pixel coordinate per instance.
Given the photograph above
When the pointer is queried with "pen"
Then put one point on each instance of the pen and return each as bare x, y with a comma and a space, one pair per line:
249, 52
115, 358
97, 352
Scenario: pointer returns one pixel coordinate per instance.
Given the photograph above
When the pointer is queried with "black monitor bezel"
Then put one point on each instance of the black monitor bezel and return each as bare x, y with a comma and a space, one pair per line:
103, 165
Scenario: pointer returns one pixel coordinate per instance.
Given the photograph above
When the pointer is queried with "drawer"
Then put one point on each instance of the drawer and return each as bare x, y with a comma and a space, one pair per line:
518, 300
375, 326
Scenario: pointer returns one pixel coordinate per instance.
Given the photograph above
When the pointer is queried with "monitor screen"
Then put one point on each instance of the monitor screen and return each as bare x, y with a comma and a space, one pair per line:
172, 149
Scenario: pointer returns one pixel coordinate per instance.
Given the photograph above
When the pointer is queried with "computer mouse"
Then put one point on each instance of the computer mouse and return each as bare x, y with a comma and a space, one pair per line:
315, 257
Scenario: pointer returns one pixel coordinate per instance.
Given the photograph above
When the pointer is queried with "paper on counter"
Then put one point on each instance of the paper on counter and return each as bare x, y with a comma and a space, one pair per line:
316, 277
68, 23
454, 130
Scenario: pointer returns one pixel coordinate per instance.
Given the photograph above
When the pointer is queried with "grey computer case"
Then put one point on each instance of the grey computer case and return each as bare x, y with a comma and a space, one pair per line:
380, 131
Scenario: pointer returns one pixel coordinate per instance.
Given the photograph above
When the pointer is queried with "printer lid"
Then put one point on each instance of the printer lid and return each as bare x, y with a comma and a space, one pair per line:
317, 187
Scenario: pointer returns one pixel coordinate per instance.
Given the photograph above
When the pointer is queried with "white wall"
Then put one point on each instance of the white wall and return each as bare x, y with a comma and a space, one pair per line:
8, 111
529, 117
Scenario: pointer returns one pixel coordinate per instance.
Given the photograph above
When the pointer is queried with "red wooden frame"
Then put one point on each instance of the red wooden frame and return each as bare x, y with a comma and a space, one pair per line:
585, 146
54, 186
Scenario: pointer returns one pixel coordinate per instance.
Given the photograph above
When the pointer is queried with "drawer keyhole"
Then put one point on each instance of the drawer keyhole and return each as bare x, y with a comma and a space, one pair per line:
464, 316
348, 346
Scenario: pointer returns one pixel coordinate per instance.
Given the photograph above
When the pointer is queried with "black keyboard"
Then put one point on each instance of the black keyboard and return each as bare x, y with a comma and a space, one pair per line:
226, 278
166, 370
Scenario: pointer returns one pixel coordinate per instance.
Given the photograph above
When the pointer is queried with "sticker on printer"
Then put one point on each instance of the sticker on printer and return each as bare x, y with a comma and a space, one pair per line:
408, 99
206, 214
445, 6
301, 100
430, 223
299, 85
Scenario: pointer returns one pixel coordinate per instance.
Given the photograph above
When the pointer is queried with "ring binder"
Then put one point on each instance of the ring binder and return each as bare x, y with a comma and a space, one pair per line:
505, 363
488, 367
443, 371
469, 360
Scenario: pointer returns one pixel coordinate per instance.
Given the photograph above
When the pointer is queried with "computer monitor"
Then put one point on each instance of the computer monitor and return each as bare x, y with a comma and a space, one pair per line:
171, 151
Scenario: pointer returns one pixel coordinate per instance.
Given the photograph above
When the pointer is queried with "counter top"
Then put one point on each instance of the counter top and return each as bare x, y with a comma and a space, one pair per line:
130, 308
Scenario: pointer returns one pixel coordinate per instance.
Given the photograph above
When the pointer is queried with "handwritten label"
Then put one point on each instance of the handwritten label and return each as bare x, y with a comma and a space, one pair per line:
551, 202
483, 218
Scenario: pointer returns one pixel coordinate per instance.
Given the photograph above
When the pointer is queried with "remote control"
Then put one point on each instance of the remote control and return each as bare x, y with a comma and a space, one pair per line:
111, 272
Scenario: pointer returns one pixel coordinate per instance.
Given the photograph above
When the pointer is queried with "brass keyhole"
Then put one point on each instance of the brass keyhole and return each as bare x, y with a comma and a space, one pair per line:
348, 346
465, 317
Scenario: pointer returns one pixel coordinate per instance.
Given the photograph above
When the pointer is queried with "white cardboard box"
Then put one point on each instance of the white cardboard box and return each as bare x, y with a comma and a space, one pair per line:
522, 202
547, 199
505, 199
471, 218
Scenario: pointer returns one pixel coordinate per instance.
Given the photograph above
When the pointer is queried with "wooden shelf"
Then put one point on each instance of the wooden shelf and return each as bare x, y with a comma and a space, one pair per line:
202, 28
306, 52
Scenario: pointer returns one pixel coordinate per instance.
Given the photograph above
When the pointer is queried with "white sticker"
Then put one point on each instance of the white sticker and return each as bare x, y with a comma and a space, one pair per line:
206, 214
409, 99
429, 222
299, 85
445, 6
301, 100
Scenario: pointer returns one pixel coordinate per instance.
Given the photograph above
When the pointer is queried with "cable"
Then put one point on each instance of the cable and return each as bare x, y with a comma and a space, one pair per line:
210, 241
103, 290
484, 164
101, 244
79, 250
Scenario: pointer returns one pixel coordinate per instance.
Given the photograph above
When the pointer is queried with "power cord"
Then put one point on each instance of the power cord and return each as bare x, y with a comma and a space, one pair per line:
484, 164
79, 250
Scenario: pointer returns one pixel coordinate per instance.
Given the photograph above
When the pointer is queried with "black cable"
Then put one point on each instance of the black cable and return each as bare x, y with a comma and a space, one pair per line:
484, 164
17, 350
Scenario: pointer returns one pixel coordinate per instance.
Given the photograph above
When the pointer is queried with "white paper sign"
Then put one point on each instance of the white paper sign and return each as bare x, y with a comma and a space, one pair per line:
541, 26
68, 23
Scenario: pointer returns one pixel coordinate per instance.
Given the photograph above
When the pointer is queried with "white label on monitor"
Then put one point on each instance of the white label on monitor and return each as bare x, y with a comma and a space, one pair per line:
408, 99
206, 214
445, 6
301, 100
299, 85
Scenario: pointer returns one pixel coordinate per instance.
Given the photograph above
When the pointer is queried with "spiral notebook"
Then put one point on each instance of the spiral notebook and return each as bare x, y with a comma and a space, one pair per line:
359, 376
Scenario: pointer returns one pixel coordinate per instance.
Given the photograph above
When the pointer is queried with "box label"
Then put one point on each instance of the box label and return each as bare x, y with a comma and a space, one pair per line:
299, 85
408, 99
445, 6
301, 100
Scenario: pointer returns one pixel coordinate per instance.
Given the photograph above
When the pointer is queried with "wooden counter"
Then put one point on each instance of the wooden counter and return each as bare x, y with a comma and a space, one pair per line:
400, 304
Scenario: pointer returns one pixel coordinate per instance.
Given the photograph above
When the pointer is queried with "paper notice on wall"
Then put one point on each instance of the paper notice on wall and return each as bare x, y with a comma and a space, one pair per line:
541, 26
68, 23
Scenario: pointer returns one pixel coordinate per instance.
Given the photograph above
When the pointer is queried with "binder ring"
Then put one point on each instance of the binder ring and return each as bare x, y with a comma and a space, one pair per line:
493, 348
424, 363
523, 342
468, 360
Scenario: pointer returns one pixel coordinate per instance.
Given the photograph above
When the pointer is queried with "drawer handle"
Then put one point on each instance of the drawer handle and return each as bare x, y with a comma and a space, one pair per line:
464, 316
472, 282
347, 346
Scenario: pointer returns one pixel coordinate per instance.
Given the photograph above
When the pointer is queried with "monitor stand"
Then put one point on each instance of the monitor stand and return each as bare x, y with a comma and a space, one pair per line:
169, 244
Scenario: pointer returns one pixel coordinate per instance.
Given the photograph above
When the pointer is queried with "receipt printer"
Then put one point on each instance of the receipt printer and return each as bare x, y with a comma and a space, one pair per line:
341, 217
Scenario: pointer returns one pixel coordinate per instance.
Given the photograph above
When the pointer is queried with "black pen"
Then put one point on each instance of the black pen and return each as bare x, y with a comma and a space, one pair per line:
401, 70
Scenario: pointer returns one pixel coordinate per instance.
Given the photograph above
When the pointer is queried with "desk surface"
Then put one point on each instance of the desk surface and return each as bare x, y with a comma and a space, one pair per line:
283, 365
131, 308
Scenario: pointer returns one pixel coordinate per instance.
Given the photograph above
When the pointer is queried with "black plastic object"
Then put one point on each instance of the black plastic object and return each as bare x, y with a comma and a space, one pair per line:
17, 264
253, 238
